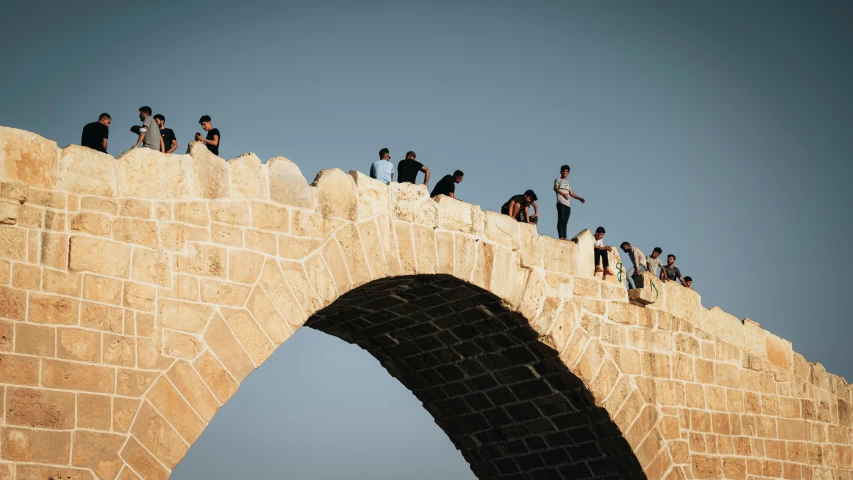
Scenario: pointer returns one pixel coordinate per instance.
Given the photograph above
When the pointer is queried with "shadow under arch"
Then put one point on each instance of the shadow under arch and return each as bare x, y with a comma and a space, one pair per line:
505, 399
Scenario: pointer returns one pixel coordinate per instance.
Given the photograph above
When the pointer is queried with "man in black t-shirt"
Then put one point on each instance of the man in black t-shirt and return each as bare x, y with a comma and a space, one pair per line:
212, 138
170, 143
447, 185
407, 170
518, 207
95, 134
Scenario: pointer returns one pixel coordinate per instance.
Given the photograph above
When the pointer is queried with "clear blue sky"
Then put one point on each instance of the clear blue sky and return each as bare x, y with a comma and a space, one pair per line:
719, 131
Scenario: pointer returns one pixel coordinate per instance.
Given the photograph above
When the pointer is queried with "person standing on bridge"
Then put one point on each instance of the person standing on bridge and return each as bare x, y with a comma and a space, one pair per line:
383, 169
408, 169
671, 272
96, 134
564, 194
447, 185
149, 133
212, 138
638, 259
170, 143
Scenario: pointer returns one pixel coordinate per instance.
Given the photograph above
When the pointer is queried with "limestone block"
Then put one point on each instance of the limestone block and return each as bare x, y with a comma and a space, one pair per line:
102, 289
28, 158
35, 340
374, 197
155, 433
463, 266
63, 283
102, 317
13, 243
232, 213
508, 278
145, 173
444, 249
39, 408
559, 256
14, 191
87, 172
77, 376
226, 347
586, 254
223, 293
337, 265
134, 383
19, 370
276, 286
46, 198
97, 451
143, 462
425, 252
26, 277
174, 236
779, 351
249, 334
50, 309
265, 313
226, 235
683, 303
459, 216
262, 242
35, 446
131, 207
368, 231
484, 261
411, 203
502, 229
183, 316
192, 387
389, 244
53, 251
215, 377
267, 216
288, 186
535, 292
92, 223
337, 194
9, 212
99, 256
209, 173
319, 276
79, 344
643, 296
119, 350
193, 213
7, 335
248, 177
530, 252
204, 260
295, 276
166, 399
721, 324
151, 266
305, 224
244, 266
93, 411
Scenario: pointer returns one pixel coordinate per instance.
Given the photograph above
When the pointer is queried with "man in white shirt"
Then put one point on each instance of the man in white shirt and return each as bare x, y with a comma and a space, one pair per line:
601, 253
637, 258
564, 207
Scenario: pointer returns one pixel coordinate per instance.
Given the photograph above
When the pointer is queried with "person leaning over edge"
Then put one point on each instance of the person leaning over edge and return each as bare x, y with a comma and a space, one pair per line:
149, 134
637, 258
601, 253
96, 134
447, 185
383, 169
170, 143
518, 207
671, 271
212, 138
688, 282
564, 208
408, 169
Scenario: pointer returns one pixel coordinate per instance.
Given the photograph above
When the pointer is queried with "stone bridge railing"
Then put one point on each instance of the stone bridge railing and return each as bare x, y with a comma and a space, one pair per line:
137, 293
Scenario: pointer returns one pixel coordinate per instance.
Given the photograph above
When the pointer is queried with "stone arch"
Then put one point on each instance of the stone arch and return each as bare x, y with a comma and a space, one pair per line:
136, 293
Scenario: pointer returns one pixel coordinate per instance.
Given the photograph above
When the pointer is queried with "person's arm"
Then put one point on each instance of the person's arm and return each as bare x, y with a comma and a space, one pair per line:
576, 197
426, 175
104, 141
535, 209
679, 277
215, 141
451, 195
162, 145
139, 140
527, 213
174, 146
513, 208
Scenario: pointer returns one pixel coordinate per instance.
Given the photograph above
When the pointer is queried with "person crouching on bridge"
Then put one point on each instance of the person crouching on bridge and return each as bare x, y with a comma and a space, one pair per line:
601, 253
518, 207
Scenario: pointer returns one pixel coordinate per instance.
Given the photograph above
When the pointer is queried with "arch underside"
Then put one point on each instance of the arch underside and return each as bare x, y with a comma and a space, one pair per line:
505, 399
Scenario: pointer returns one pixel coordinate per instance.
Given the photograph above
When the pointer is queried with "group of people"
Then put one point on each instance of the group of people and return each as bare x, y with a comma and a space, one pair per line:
641, 263
152, 133
518, 207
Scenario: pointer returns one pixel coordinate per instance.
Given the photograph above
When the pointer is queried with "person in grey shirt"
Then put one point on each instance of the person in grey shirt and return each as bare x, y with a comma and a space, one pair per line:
653, 261
671, 272
149, 134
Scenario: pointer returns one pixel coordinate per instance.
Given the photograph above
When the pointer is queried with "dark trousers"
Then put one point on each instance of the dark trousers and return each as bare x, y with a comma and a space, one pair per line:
601, 258
563, 214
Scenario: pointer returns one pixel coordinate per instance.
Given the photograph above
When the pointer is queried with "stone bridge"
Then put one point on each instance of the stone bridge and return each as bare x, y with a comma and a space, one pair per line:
137, 293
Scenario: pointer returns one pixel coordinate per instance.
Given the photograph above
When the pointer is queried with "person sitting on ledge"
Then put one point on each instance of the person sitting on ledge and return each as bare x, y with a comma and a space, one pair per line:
383, 169
518, 207
637, 258
688, 282
212, 138
96, 134
447, 185
601, 252
408, 169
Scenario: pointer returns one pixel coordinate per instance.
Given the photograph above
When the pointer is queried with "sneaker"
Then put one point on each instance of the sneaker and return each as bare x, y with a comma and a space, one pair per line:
598, 269
609, 272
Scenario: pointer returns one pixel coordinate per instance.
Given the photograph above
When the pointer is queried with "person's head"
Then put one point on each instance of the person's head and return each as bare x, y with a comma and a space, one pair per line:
599, 233
204, 121
529, 196
384, 154
411, 155
670, 259
457, 176
105, 119
656, 252
688, 281
625, 246
160, 119
144, 112
564, 171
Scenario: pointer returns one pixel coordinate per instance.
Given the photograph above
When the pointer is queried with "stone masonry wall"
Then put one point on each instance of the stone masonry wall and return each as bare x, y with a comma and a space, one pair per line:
137, 293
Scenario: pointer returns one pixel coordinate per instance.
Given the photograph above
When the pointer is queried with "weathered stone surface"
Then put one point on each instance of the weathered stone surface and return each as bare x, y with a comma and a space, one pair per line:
28, 158
87, 172
136, 295
288, 186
